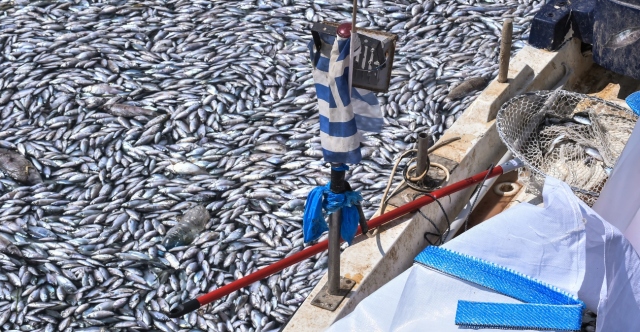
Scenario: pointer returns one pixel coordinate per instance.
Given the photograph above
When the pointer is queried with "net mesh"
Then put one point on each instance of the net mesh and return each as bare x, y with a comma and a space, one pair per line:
570, 136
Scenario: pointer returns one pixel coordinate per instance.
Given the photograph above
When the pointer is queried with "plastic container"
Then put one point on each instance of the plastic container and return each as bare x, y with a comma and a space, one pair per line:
191, 225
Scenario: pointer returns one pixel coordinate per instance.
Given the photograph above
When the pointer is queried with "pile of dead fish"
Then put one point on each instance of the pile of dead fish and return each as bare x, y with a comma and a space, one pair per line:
131, 112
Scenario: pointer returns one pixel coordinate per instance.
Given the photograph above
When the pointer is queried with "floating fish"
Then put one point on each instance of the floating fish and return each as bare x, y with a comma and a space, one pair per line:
184, 167
188, 228
8, 247
105, 99
467, 87
18, 167
128, 110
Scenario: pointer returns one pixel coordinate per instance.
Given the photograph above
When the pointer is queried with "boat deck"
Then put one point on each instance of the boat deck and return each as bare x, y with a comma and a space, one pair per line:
372, 262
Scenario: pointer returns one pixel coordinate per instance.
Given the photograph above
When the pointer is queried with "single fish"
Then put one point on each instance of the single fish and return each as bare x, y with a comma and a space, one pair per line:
555, 142
18, 167
188, 228
467, 87
128, 110
582, 119
186, 168
595, 154
8, 247
624, 38
102, 89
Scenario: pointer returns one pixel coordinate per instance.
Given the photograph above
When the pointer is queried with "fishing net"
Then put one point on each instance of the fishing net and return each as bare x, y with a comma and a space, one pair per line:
570, 136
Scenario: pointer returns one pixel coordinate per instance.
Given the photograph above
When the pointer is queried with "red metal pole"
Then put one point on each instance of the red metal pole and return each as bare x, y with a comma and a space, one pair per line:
322, 246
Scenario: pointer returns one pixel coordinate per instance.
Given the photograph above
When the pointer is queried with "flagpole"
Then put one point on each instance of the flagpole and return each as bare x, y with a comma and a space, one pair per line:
351, 47
337, 287
353, 18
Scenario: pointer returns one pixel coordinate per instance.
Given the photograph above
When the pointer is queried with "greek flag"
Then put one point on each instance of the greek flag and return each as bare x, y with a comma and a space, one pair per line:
345, 111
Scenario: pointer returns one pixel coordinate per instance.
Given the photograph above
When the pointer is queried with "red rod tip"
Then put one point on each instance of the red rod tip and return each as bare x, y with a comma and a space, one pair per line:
344, 30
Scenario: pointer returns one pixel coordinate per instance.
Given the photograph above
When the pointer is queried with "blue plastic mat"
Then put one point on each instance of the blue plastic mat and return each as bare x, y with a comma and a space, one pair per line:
545, 307
633, 100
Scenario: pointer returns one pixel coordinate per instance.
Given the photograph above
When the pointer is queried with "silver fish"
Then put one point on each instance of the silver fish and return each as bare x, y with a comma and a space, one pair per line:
191, 224
624, 38
136, 111
595, 154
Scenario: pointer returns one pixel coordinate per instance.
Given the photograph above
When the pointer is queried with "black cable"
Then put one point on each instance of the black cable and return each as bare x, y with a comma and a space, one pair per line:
440, 235
426, 234
444, 235
466, 219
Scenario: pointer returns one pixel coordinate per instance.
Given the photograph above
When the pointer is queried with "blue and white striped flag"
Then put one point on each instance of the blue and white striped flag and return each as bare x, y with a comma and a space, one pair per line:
345, 112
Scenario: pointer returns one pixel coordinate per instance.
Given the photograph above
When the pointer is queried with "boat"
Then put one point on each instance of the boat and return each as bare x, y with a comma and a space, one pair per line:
374, 261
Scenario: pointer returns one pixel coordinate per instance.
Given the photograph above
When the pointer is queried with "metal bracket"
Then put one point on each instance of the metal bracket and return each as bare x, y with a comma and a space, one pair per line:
331, 302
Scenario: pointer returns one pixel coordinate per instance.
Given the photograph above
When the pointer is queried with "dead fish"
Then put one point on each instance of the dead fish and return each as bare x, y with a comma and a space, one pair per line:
75, 77
582, 119
101, 89
272, 148
624, 38
18, 167
467, 87
595, 154
128, 110
555, 142
8, 247
188, 229
186, 168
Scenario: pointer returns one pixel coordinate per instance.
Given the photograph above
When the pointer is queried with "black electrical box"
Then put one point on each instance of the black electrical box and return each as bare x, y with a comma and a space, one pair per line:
372, 67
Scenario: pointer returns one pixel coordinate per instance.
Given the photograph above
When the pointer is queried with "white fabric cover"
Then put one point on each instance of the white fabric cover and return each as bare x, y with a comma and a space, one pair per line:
564, 243
619, 201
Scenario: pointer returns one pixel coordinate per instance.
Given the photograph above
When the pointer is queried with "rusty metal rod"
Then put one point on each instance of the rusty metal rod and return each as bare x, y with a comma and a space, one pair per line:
353, 16
505, 50
333, 273
338, 186
422, 160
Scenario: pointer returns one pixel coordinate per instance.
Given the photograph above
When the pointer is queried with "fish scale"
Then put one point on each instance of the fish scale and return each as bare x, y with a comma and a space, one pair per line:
134, 112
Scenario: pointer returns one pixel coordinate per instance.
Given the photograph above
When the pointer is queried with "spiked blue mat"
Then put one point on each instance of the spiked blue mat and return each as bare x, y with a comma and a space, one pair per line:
545, 308
633, 100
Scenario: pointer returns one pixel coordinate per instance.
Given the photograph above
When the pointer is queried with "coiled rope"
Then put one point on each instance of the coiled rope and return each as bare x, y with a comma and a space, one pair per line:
410, 179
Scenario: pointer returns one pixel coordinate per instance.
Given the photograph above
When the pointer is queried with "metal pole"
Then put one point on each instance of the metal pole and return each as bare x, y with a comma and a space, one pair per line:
351, 44
338, 186
353, 16
505, 50
424, 143
335, 221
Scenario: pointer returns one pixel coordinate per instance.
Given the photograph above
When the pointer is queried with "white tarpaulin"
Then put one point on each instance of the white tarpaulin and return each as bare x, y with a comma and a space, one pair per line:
564, 244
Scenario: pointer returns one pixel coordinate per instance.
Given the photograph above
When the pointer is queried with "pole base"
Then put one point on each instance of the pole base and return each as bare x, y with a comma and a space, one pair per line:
330, 302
